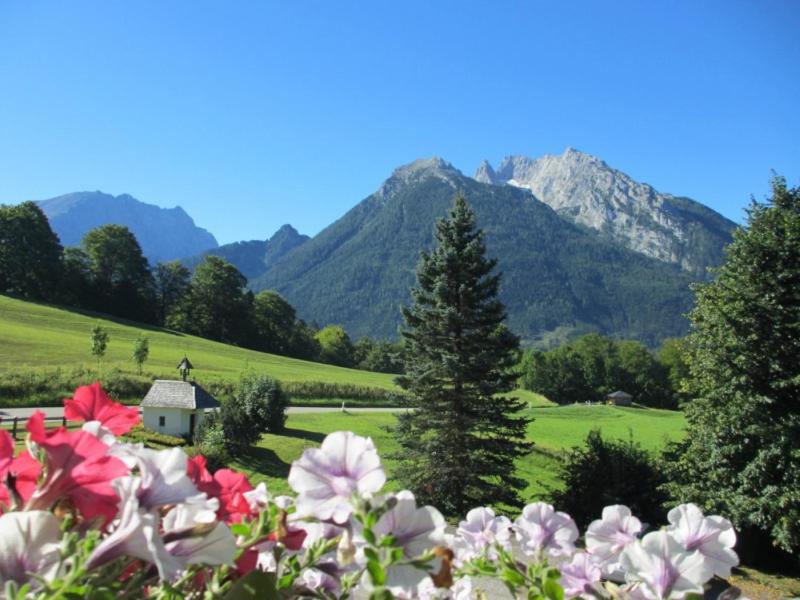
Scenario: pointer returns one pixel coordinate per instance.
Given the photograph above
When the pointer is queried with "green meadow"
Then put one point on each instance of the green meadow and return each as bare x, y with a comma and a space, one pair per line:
45, 350
554, 430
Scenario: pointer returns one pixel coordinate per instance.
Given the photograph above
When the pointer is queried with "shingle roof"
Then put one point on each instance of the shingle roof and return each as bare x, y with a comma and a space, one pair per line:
620, 394
178, 394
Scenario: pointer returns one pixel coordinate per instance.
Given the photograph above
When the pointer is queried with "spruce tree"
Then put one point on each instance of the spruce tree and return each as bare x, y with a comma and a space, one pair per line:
741, 455
460, 441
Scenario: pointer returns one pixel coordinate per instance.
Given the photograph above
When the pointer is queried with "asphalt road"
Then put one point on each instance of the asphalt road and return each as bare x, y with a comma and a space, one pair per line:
58, 411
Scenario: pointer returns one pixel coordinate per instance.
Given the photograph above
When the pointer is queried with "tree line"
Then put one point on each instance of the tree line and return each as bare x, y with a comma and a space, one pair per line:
593, 366
109, 273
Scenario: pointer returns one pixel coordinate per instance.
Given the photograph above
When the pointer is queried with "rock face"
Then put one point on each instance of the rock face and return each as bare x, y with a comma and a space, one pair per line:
559, 279
254, 257
163, 233
587, 191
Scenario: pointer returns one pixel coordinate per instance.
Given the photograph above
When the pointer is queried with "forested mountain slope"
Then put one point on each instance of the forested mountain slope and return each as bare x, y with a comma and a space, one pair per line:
556, 275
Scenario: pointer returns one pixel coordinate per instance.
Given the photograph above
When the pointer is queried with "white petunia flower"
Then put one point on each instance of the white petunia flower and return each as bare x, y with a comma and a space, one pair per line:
579, 576
544, 532
480, 532
258, 498
29, 545
164, 480
326, 478
713, 537
135, 534
199, 537
664, 567
606, 538
416, 530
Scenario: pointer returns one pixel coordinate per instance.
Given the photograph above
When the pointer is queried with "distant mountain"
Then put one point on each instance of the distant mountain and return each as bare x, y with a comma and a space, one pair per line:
163, 233
587, 191
558, 278
253, 257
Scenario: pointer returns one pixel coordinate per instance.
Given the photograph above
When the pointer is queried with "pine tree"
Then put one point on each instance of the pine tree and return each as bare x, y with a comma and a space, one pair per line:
460, 442
741, 455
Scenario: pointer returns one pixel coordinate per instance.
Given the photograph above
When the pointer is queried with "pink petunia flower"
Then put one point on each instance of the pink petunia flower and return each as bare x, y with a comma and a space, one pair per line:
91, 403
713, 537
78, 467
229, 486
326, 478
544, 532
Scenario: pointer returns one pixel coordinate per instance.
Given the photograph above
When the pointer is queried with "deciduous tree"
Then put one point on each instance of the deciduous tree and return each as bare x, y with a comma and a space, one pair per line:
741, 455
30, 253
121, 278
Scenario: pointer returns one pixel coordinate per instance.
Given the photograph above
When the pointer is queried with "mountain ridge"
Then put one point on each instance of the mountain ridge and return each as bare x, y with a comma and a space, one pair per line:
163, 233
253, 257
358, 271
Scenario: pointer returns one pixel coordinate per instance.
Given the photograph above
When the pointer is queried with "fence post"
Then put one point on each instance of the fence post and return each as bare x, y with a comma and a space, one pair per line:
63, 421
14, 430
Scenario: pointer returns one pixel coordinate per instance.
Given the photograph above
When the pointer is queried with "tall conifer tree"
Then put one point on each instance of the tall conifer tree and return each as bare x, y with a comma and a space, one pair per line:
460, 442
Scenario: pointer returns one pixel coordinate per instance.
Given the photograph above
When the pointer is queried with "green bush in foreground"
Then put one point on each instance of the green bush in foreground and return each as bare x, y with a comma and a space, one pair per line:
605, 472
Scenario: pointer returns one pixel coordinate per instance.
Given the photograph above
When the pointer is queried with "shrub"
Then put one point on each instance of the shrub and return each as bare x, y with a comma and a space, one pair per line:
151, 438
258, 405
265, 399
606, 472
209, 440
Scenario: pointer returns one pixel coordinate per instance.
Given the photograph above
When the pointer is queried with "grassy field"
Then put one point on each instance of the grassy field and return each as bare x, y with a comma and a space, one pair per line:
42, 341
44, 355
554, 430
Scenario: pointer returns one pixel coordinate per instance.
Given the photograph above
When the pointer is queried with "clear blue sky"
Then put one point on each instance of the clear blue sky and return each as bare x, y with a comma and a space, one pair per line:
251, 115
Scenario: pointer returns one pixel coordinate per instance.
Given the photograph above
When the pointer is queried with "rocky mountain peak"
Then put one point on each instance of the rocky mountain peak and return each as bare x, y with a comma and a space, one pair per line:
584, 189
418, 170
485, 173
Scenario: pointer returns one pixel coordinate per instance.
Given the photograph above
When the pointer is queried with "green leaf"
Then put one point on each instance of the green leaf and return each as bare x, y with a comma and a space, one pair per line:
553, 590
369, 536
381, 594
513, 576
376, 572
241, 529
256, 585
371, 554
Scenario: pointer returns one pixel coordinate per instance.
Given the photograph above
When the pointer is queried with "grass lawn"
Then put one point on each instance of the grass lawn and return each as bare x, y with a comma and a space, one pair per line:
554, 430
39, 339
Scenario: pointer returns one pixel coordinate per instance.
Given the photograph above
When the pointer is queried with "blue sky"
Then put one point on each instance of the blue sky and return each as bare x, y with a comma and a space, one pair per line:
255, 114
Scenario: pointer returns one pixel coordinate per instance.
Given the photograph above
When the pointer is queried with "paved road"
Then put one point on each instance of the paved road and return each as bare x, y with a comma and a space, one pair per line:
58, 411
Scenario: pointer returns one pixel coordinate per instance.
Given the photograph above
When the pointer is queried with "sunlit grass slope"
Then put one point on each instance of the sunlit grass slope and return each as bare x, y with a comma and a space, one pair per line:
39, 338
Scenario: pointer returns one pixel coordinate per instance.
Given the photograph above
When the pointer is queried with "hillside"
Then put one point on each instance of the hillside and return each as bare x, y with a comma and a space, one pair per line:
163, 233
39, 341
556, 275
253, 257
587, 191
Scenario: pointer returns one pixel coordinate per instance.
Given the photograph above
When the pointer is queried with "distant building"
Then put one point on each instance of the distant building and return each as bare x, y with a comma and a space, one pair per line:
176, 407
619, 398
